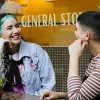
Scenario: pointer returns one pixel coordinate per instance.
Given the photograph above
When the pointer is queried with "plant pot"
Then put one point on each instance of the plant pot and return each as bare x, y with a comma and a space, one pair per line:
1, 92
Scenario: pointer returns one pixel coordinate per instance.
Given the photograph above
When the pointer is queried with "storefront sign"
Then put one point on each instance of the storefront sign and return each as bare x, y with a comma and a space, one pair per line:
42, 20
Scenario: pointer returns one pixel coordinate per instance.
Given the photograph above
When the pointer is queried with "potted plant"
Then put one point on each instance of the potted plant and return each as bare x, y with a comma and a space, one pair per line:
2, 74
2, 80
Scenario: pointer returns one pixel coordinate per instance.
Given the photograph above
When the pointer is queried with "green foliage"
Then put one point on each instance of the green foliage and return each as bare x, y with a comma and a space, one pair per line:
2, 81
2, 68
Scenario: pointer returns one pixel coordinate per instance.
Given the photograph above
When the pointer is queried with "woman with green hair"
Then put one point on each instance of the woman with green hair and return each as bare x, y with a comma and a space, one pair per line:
26, 66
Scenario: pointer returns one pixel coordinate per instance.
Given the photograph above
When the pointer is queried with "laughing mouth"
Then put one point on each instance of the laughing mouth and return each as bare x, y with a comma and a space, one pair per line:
15, 36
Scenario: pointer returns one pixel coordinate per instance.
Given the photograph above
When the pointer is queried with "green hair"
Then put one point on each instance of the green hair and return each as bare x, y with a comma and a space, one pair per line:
4, 19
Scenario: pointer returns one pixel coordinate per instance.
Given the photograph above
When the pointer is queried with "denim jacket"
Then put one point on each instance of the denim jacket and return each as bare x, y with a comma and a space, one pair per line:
42, 76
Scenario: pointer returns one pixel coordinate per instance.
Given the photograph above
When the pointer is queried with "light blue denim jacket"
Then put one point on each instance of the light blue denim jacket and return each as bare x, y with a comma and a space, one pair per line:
40, 78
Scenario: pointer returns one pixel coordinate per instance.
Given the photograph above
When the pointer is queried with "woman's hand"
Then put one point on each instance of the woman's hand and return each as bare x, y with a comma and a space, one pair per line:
76, 49
3, 42
49, 95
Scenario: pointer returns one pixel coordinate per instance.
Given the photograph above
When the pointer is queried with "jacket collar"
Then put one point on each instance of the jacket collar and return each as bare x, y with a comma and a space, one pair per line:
23, 51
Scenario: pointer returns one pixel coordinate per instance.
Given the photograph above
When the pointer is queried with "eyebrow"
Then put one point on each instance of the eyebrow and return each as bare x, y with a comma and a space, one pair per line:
9, 26
12, 25
17, 24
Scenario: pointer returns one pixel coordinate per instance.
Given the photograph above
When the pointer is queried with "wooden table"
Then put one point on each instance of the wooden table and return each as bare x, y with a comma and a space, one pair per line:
18, 96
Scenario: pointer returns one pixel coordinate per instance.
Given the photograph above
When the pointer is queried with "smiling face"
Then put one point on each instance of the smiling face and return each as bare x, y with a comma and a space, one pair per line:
11, 30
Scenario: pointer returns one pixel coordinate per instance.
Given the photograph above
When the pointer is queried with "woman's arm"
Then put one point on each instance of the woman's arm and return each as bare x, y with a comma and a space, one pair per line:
77, 90
51, 95
46, 71
87, 90
75, 51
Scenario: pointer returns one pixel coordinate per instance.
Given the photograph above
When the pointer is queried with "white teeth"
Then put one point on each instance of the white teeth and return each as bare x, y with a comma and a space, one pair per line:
15, 36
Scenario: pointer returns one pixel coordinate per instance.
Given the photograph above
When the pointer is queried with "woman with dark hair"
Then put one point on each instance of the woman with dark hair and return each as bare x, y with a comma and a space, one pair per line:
88, 36
26, 66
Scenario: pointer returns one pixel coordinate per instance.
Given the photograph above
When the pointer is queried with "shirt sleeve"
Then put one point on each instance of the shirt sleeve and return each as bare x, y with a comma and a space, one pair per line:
46, 72
87, 90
